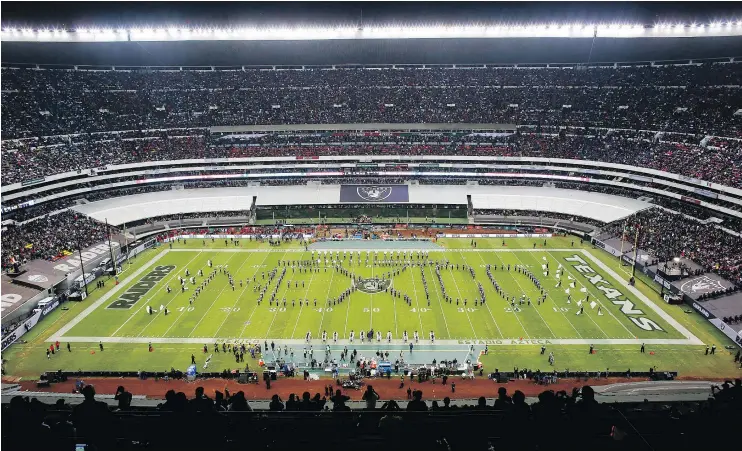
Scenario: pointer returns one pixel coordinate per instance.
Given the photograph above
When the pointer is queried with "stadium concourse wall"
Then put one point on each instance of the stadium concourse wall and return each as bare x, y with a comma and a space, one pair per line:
669, 289
595, 50
718, 197
127, 209
695, 186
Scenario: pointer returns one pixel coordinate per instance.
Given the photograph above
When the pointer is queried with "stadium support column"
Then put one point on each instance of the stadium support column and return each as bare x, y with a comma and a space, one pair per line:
636, 246
623, 239
82, 267
110, 248
126, 245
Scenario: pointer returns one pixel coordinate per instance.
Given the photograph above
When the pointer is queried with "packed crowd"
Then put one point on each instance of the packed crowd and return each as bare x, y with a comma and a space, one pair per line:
50, 237
223, 420
54, 102
668, 235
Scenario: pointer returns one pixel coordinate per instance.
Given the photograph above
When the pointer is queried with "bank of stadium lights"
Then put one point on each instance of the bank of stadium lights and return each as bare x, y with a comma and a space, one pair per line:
566, 30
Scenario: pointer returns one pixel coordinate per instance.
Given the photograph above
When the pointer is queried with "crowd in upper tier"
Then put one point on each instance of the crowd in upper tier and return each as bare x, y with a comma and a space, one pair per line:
52, 107
696, 99
715, 161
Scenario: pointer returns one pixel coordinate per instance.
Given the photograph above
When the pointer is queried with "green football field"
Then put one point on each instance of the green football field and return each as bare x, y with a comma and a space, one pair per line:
587, 302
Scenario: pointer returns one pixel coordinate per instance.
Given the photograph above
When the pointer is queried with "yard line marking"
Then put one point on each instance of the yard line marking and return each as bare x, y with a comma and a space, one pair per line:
324, 310
417, 302
663, 314
524, 291
394, 305
466, 312
486, 304
278, 309
440, 304
216, 299
175, 321
514, 312
306, 292
255, 307
242, 292
597, 298
164, 287
565, 316
371, 313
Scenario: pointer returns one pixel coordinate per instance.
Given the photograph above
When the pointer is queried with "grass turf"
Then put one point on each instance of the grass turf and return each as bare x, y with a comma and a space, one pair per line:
222, 313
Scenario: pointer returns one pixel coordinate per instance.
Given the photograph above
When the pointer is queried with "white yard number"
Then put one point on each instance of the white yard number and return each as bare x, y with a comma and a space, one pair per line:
368, 310
468, 309
230, 309
186, 309
326, 309
421, 310
561, 309
274, 309
509, 310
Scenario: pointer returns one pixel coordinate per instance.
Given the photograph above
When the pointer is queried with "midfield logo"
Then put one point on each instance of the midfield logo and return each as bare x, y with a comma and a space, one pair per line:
372, 286
138, 290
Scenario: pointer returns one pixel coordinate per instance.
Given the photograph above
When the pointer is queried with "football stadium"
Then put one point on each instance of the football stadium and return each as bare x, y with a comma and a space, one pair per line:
409, 227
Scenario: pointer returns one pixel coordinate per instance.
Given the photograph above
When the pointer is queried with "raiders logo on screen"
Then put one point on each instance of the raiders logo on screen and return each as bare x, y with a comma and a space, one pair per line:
701, 285
372, 286
374, 193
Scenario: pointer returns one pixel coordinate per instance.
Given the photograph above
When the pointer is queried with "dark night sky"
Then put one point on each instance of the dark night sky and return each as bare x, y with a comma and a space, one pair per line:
116, 14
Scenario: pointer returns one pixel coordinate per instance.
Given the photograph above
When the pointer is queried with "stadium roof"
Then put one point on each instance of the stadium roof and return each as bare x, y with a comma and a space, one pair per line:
288, 32
223, 34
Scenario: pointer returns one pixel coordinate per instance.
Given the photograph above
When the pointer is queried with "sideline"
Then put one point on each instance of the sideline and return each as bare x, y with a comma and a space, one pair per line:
396, 342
